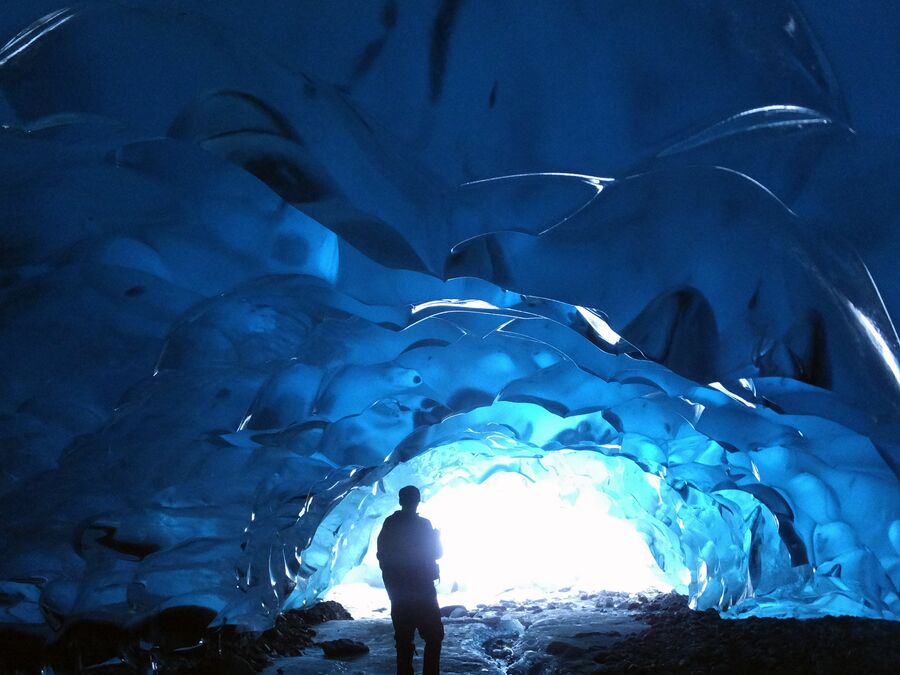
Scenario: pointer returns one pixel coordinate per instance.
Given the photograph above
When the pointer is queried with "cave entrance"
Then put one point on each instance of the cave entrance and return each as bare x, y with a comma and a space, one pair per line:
516, 524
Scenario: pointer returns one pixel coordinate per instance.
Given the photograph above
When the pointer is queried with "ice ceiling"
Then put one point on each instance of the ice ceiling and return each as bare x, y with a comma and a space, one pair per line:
258, 261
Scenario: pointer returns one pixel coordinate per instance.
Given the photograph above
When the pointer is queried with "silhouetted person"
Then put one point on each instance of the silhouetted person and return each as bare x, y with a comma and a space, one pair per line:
408, 548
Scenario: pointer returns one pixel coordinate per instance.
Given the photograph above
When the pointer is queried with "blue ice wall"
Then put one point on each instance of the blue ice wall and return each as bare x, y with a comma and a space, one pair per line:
255, 259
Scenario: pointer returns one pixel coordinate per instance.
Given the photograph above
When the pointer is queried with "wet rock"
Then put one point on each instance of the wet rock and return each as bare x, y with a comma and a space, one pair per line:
510, 625
491, 620
565, 650
680, 640
343, 649
598, 633
290, 635
321, 612
177, 641
500, 649
454, 611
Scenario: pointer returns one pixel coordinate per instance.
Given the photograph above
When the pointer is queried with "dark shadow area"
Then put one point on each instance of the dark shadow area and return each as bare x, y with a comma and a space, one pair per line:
680, 640
175, 641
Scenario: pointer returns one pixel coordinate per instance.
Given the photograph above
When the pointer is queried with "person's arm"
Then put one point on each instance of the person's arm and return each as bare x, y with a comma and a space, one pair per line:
382, 546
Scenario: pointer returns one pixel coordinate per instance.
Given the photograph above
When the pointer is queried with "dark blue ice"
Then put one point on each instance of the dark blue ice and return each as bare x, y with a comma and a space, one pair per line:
254, 260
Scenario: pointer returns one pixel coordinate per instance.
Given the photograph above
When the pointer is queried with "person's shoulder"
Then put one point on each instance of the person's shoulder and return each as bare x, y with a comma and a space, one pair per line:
400, 518
423, 521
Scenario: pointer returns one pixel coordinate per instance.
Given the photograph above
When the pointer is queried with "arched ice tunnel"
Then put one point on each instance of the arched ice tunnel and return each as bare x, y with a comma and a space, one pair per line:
244, 302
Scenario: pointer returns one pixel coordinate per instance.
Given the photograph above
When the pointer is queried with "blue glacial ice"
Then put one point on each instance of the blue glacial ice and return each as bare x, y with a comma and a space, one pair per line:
259, 268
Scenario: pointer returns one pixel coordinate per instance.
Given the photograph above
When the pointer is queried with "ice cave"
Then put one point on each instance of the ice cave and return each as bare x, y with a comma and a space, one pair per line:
613, 280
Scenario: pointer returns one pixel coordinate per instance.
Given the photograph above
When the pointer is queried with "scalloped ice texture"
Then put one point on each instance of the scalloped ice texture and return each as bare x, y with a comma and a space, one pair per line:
243, 301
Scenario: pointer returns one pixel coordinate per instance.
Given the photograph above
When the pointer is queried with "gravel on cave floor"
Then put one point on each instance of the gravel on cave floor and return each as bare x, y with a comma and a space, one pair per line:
616, 633
605, 632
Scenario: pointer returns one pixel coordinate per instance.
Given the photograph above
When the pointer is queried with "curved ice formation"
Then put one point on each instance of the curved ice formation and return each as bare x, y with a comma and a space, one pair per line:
241, 300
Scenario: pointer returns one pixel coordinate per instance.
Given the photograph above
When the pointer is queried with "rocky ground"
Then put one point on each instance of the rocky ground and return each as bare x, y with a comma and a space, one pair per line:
617, 633
176, 642
597, 633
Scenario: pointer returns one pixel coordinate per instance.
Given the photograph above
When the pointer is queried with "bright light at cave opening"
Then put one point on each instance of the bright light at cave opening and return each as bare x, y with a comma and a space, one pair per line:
515, 538
511, 534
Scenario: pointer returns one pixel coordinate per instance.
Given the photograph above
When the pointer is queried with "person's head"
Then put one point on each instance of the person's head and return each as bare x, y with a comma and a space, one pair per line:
410, 498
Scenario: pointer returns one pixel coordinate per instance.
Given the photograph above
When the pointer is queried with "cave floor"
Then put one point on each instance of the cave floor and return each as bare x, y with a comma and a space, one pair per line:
613, 633
504, 638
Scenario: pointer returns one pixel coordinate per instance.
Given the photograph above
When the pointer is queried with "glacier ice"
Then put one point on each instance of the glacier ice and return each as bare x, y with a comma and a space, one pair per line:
255, 277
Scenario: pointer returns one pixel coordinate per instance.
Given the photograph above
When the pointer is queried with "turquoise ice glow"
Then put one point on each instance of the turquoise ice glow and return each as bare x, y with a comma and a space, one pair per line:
359, 244
523, 523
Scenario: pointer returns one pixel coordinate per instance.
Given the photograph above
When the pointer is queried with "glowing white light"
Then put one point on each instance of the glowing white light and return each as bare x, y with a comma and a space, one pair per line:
33, 33
597, 181
599, 325
702, 579
766, 117
452, 303
718, 386
511, 533
878, 340
323, 458
516, 538
791, 26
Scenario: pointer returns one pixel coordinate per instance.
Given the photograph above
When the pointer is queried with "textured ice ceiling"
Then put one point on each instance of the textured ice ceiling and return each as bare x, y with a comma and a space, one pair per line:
257, 256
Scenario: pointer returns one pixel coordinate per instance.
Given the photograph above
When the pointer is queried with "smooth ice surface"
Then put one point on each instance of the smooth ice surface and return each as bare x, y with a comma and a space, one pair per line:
261, 266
